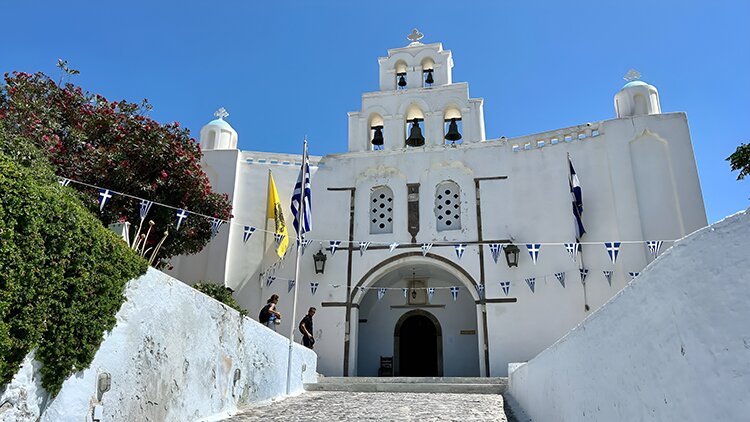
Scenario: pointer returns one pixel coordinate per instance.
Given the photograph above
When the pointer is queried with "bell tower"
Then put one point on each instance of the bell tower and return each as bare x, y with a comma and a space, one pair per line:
636, 97
418, 104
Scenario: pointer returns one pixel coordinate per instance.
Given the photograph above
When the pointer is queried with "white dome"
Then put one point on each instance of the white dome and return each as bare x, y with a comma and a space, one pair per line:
218, 133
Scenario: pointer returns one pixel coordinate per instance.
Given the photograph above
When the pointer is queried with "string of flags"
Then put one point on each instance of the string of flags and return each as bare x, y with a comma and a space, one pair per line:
534, 249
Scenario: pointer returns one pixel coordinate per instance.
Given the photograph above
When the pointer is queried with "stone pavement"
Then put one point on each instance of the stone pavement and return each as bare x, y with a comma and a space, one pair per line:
347, 406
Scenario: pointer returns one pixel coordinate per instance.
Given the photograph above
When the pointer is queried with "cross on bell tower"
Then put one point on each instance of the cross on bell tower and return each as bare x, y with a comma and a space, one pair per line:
221, 113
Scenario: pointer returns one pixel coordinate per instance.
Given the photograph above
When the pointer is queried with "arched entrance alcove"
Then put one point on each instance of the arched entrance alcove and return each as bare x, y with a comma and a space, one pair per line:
418, 345
424, 337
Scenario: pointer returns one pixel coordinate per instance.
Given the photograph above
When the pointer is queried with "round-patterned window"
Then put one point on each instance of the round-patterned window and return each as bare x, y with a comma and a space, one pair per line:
381, 210
447, 206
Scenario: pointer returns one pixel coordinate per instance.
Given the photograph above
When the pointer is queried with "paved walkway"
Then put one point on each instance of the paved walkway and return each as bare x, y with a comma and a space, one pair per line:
345, 406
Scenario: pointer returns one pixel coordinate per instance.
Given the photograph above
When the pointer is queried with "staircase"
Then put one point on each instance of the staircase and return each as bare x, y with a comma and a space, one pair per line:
458, 385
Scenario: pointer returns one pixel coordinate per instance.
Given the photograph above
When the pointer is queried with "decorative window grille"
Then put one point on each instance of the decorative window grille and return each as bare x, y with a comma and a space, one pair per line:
448, 206
381, 210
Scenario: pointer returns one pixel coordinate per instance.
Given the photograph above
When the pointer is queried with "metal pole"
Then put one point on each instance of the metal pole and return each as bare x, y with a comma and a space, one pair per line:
303, 173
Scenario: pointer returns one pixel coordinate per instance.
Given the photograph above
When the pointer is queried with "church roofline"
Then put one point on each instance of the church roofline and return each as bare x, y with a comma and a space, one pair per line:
438, 46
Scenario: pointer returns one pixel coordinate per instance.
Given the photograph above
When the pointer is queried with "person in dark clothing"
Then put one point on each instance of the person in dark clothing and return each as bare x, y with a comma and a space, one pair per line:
306, 328
269, 316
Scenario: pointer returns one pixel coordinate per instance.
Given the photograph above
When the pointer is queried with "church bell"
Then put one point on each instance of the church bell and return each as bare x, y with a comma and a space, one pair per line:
377, 137
401, 80
429, 79
415, 135
453, 134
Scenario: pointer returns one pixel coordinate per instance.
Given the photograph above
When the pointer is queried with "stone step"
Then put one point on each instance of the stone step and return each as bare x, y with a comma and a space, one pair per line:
410, 385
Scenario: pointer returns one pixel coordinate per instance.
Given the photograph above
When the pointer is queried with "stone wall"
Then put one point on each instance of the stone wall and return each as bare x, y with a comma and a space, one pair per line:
174, 355
673, 345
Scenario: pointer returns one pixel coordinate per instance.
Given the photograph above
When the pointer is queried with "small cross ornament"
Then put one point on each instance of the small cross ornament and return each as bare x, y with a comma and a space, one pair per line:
632, 75
415, 35
221, 113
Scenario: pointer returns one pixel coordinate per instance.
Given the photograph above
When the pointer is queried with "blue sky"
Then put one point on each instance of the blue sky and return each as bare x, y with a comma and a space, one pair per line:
289, 69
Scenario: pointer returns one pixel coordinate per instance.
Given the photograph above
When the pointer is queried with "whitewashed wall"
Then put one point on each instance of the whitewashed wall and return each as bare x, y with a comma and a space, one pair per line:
172, 357
674, 345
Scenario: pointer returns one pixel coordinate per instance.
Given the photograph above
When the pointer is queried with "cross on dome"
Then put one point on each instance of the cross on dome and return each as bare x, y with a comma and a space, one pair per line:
221, 113
415, 35
632, 75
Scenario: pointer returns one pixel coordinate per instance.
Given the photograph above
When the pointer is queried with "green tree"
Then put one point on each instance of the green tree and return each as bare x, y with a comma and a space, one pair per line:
740, 160
113, 144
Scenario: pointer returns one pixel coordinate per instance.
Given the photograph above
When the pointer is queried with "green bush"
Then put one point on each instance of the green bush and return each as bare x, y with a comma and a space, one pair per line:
62, 273
220, 293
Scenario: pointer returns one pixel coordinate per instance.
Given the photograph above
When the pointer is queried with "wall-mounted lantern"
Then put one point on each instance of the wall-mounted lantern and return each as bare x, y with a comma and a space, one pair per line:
319, 259
511, 255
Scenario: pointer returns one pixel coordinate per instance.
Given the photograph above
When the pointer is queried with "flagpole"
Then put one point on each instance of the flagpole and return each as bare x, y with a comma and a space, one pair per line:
580, 246
300, 228
265, 231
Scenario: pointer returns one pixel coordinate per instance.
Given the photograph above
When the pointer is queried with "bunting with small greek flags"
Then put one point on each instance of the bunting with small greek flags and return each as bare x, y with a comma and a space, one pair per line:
181, 216
63, 181
279, 238
426, 248
534, 249
561, 278
314, 287
392, 246
304, 244
608, 276
145, 208
269, 280
381, 292
531, 281
363, 247
572, 249
291, 286
454, 293
406, 292
584, 272
654, 246
216, 226
633, 274
495, 251
104, 195
334, 244
480, 290
613, 248
430, 292
460, 249
505, 285
247, 232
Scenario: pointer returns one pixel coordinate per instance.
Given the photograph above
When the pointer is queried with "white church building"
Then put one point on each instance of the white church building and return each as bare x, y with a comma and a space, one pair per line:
436, 291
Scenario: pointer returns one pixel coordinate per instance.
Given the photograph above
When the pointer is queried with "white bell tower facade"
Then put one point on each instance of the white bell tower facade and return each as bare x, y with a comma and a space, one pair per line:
416, 85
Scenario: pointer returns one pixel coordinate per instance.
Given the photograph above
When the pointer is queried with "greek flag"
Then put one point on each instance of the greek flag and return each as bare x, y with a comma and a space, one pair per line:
216, 226
454, 293
301, 198
381, 292
334, 244
406, 292
314, 287
426, 248
104, 195
181, 216
633, 274
304, 244
363, 247
531, 281
145, 208
480, 290
584, 273
430, 292
460, 249
608, 276
561, 278
249, 230
392, 246
505, 285
572, 249
63, 181
269, 280
495, 251
362, 289
654, 246
534, 249
278, 238
291, 286
577, 199
613, 248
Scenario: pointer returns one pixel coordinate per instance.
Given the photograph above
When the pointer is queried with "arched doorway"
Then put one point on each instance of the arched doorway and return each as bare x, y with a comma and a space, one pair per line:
418, 345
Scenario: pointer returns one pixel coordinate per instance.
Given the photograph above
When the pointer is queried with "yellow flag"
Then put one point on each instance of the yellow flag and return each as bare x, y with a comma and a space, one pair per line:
275, 212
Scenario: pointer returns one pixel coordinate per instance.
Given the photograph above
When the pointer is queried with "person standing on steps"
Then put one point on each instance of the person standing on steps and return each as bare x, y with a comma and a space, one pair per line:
269, 316
306, 328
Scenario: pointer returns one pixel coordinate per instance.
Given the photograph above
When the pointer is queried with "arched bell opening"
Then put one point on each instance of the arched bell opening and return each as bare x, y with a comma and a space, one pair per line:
428, 67
452, 126
400, 74
414, 119
376, 132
